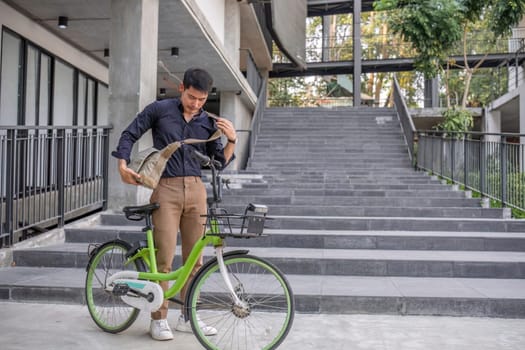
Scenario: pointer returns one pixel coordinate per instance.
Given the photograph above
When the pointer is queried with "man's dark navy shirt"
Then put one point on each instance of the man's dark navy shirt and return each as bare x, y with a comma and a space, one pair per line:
167, 124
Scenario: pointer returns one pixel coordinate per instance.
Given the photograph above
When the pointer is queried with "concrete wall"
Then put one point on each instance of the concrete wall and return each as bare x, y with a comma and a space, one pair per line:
214, 13
44, 38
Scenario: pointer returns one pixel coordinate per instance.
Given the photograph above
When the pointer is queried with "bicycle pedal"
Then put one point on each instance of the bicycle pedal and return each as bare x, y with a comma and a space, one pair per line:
120, 289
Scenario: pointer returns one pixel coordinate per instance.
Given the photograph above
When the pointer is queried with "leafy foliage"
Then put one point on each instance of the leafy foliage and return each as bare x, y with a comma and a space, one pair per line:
505, 14
433, 27
459, 120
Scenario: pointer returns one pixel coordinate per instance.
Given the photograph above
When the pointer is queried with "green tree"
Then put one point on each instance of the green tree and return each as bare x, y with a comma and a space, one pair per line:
432, 27
435, 27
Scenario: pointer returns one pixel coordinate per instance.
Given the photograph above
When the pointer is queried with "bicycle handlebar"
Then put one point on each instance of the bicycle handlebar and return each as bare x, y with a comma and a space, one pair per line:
216, 181
205, 160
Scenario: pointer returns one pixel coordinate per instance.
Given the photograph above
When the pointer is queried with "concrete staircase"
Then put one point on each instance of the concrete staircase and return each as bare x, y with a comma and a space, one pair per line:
353, 226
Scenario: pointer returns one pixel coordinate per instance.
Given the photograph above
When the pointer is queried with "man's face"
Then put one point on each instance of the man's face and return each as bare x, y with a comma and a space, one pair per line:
192, 99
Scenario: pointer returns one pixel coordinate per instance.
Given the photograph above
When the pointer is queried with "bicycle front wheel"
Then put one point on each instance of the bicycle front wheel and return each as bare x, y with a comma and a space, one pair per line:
264, 317
108, 310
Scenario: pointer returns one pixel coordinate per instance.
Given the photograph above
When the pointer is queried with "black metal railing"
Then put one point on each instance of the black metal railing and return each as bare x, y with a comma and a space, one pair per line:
405, 119
257, 118
49, 175
492, 164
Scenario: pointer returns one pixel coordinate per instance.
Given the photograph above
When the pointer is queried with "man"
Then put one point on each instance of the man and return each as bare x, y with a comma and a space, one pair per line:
180, 192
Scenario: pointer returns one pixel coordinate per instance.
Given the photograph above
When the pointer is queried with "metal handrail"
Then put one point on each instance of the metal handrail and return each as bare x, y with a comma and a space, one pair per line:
257, 118
48, 175
405, 119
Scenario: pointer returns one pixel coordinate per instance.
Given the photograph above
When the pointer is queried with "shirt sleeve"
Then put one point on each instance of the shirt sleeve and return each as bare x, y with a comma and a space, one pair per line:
142, 123
215, 149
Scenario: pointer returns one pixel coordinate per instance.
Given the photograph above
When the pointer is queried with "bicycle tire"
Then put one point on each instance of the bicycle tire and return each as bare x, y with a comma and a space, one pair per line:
108, 310
266, 321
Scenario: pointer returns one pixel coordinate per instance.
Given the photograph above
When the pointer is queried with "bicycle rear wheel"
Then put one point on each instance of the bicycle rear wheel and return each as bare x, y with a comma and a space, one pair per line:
108, 310
269, 308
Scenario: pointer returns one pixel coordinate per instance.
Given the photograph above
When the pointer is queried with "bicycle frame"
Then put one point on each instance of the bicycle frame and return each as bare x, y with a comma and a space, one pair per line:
181, 275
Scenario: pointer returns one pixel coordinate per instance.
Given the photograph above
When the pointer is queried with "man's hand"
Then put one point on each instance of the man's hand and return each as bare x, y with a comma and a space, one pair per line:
227, 128
126, 174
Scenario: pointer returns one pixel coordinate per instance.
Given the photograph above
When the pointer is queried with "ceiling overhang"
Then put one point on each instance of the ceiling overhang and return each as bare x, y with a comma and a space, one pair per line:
181, 24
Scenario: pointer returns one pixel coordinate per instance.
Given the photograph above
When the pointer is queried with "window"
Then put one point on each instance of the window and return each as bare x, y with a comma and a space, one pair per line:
10, 78
63, 90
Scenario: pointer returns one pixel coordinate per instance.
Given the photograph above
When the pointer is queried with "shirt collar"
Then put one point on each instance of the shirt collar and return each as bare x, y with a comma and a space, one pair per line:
181, 110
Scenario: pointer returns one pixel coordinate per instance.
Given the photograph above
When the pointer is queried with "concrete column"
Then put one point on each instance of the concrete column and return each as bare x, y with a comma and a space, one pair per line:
357, 52
493, 124
234, 109
232, 30
132, 82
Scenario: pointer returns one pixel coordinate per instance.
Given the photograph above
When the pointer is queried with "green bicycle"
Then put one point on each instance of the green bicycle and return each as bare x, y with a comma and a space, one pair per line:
246, 298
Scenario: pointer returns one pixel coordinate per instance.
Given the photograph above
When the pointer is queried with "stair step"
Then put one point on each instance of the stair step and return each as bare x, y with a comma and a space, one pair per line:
378, 211
331, 239
344, 262
352, 223
445, 193
237, 197
395, 223
319, 294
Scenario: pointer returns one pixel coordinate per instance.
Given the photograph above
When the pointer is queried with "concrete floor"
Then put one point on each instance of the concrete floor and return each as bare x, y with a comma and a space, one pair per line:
61, 327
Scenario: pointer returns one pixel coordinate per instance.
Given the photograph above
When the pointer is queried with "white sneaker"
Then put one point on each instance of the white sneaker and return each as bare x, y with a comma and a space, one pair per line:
160, 330
185, 326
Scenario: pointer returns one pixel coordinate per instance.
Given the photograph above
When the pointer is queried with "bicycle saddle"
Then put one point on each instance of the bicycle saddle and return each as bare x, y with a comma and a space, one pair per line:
137, 213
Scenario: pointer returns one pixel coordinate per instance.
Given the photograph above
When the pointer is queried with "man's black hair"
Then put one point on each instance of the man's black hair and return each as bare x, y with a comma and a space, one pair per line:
198, 79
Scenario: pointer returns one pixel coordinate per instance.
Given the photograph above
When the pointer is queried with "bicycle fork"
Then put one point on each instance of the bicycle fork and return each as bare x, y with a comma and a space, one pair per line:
240, 307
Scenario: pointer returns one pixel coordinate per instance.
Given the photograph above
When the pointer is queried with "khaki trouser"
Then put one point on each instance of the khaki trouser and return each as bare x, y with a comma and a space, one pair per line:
182, 202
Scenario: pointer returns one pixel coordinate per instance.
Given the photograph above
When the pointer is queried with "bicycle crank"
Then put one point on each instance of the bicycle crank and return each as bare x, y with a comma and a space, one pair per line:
144, 295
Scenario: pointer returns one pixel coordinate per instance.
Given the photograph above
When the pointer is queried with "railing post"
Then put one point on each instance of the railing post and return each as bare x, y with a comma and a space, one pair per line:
421, 149
9, 183
61, 135
431, 138
105, 169
452, 158
441, 154
482, 165
503, 170
465, 162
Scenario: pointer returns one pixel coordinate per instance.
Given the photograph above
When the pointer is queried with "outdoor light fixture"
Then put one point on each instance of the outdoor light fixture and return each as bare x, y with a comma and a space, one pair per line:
106, 52
162, 92
175, 51
62, 22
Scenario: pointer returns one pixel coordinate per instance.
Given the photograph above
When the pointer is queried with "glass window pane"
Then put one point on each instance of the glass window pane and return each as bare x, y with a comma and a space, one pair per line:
31, 86
63, 95
90, 117
9, 83
81, 104
45, 88
102, 105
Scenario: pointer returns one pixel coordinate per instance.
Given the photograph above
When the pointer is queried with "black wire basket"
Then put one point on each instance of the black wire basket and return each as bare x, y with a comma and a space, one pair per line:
247, 225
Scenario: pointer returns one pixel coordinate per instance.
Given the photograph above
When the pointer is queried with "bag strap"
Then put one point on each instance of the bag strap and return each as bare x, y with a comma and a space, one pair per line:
213, 137
167, 151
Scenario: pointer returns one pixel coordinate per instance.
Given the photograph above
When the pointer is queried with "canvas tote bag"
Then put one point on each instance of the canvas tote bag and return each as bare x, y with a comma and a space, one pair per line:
150, 163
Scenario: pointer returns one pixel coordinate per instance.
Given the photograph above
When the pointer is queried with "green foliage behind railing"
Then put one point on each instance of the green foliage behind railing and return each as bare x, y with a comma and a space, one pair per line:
477, 161
456, 119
